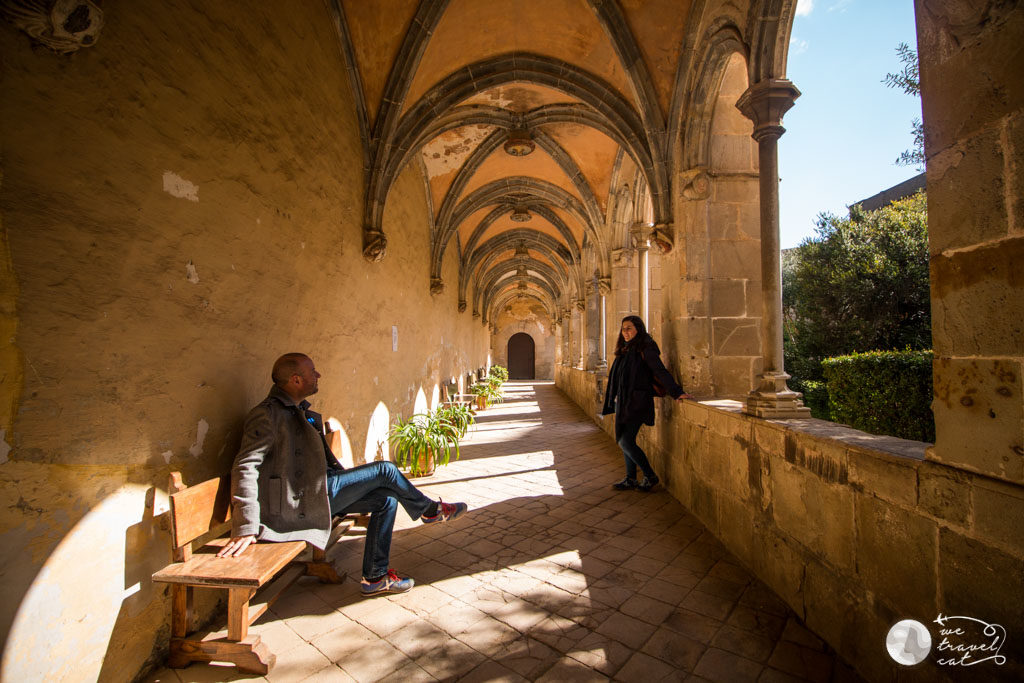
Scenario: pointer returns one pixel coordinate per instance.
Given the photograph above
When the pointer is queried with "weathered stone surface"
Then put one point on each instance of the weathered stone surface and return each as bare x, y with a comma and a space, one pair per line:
781, 566
733, 151
958, 171
816, 514
978, 300
945, 493
896, 554
886, 478
999, 513
736, 336
733, 258
728, 298
733, 375
770, 438
737, 528
979, 415
976, 579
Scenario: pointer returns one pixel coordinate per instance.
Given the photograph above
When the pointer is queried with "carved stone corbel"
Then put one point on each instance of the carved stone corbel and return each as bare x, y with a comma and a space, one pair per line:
436, 285
663, 237
580, 304
63, 26
695, 184
462, 305
604, 286
375, 245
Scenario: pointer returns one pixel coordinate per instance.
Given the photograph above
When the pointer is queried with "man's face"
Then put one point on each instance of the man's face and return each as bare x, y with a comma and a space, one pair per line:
306, 378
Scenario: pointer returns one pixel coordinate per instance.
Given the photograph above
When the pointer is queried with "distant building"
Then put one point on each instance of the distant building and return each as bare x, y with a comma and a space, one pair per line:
905, 189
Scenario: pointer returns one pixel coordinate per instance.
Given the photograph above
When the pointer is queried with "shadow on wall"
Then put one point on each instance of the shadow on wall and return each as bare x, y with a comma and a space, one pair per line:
70, 571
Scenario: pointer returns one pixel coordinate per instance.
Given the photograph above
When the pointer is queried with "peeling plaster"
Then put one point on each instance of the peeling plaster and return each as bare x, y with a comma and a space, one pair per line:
176, 186
196, 449
190, 273
5, 447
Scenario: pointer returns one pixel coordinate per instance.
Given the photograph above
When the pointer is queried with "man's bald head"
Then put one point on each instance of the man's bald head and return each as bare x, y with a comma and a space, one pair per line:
287, 365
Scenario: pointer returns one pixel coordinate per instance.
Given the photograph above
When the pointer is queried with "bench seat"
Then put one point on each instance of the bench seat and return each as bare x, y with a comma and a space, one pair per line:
257, 565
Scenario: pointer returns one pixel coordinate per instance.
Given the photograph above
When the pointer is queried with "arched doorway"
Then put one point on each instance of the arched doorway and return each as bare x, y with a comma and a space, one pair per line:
520, 356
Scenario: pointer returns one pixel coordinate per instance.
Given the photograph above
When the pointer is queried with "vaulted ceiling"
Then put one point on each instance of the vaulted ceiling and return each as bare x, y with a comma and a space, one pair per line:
523, 116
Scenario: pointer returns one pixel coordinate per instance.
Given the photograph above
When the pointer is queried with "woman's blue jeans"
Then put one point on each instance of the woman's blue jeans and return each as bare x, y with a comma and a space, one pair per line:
625, 435
375, 488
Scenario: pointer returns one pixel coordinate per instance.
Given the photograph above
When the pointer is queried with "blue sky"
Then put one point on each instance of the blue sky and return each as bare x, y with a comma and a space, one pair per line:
847, 128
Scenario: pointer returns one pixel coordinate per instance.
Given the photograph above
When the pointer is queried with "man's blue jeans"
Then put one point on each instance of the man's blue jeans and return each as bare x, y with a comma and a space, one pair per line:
376, 488
625, 435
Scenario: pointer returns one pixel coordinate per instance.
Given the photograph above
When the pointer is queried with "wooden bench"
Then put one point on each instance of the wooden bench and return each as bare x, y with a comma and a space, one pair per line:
203, 512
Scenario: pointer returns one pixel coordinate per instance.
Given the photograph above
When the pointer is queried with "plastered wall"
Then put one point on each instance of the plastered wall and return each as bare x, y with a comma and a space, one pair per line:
180, 204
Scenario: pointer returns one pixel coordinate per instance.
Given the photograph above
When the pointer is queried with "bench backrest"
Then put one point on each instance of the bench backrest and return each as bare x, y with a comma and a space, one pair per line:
197, 510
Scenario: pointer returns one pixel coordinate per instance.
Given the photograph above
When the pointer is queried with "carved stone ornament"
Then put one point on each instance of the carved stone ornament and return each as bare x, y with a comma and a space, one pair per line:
436, 285
662, 237
580, 304
476, 314
63, 26
604, 286
462, 305
696, 184
375, 245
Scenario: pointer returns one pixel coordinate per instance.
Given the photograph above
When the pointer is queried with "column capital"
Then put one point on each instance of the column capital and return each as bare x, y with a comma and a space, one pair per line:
641, 234
765, 102
604, 286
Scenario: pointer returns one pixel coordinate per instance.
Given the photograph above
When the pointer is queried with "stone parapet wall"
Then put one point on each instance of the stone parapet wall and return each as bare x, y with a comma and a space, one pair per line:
854, 531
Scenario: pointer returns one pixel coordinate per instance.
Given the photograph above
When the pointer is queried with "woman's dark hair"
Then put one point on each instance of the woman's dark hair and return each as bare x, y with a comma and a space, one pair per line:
641, 335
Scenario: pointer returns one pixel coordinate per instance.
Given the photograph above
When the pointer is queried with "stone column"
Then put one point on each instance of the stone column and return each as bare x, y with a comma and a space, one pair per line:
641, 233
604, 288
764, 103
581, 306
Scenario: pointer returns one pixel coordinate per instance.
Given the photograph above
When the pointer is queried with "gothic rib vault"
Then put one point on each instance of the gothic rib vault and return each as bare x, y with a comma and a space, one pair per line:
537, 132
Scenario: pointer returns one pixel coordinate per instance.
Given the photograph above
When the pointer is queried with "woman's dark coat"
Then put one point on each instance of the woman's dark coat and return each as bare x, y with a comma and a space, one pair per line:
630, 394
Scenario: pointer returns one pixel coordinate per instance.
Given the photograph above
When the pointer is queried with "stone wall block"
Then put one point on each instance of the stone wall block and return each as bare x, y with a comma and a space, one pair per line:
945, 493
999, 514
723, 224
696, 297
695, 413
818, 515
891, 479
728, 423
753, 299
733, 375
704, 504
830, 601
1015, 193
734, 189
896, 554
979, 416
736, 528
749, 225
728, 298
698, 331
780, 564
738, 259
981, 581
732, 152
735, 336
975, 46
966, 170
978, 300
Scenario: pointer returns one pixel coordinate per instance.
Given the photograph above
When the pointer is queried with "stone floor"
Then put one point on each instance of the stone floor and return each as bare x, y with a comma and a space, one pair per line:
552, 576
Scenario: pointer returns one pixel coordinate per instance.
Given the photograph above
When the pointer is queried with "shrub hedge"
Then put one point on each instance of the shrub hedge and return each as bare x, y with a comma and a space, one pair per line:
883, 392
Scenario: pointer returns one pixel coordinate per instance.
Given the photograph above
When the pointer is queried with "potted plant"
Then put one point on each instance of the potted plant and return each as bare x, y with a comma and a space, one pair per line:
425, 441
487, 393
459, 414
498, 372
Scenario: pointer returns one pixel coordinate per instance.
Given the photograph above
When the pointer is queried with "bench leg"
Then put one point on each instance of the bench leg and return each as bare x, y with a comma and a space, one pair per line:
238, 613
251, 655
319, 567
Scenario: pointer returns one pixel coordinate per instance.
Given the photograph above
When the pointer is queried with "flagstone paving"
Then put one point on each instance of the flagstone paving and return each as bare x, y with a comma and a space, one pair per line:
551, 576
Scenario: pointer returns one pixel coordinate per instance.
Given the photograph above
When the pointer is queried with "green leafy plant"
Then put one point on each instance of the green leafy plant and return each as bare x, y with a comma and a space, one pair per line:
499, 372
883, 392
425, 441
490, 392
458, 414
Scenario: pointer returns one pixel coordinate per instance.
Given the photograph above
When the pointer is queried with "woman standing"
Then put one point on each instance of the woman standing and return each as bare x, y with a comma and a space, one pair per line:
630, 395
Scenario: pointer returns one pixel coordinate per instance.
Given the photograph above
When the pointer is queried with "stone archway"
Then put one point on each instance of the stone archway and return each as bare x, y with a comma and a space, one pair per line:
521, 355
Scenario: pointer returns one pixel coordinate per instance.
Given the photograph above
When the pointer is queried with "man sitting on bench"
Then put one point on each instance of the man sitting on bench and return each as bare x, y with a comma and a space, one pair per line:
286, 484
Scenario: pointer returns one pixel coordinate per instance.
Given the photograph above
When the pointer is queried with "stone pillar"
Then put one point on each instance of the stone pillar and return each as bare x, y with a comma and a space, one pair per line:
642, 239
581, 306
604, 288
764, 103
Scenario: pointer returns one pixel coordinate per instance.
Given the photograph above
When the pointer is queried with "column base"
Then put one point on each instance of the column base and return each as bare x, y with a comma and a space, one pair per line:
774, 400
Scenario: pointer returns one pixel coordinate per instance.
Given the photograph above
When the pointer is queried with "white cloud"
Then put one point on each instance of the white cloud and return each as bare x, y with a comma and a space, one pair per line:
804, 7
839, 6
797, 46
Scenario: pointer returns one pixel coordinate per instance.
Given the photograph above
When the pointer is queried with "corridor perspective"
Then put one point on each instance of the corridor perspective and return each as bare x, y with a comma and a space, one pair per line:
551, 576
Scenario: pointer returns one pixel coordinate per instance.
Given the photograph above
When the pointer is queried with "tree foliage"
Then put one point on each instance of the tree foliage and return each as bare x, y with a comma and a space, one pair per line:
860, 284
909, 81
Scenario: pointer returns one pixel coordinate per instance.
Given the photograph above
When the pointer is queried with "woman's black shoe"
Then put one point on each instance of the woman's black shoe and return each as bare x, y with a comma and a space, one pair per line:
647, 484
625, 485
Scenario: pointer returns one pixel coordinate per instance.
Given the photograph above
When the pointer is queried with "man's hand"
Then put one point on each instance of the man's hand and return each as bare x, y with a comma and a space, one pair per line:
683, 396
236, 546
